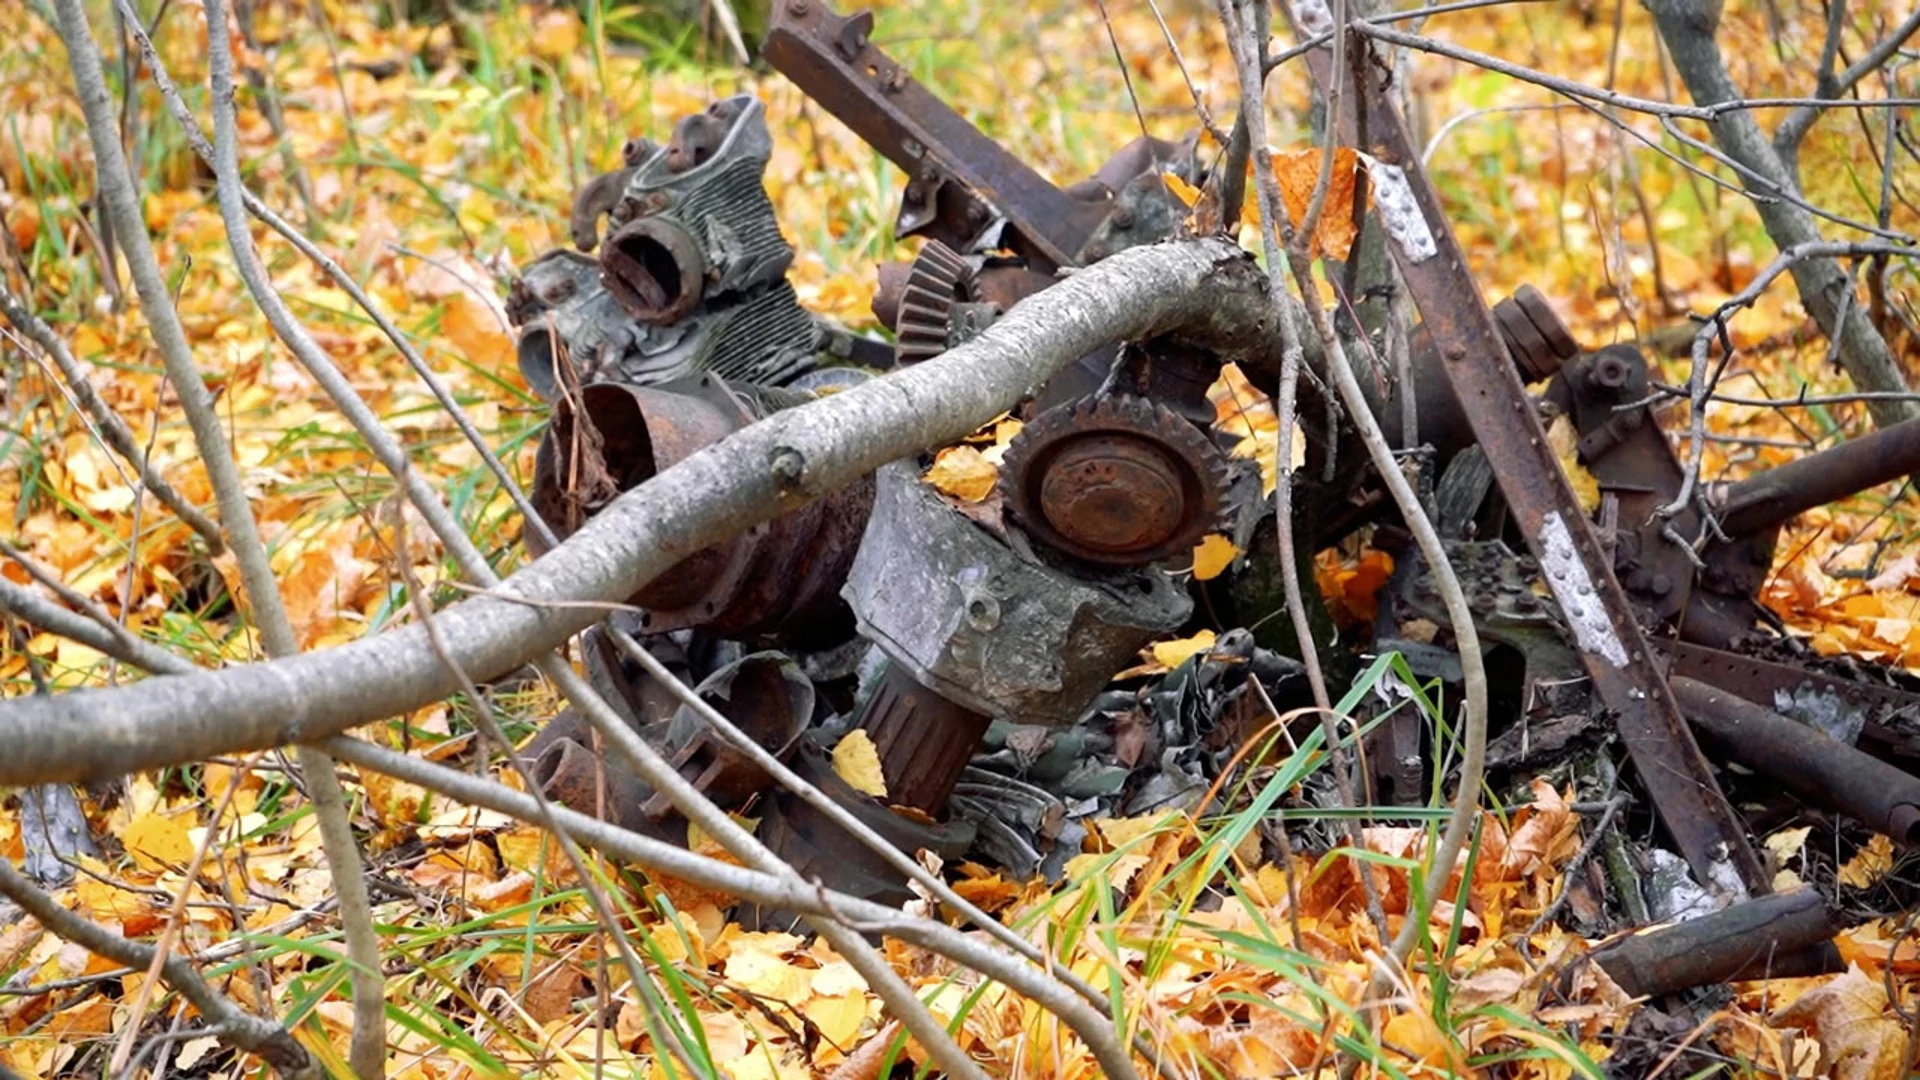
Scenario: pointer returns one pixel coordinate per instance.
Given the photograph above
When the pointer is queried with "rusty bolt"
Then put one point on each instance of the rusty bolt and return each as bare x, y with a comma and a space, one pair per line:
1610, 371
1122, 218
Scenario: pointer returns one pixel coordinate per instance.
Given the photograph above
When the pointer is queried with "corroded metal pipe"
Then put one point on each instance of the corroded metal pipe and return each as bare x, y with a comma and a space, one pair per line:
655, 268
1772, 497
780, 577
1785, 934
1816, 767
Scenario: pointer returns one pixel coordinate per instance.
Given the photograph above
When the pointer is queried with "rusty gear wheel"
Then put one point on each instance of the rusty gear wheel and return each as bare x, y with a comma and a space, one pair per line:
1119, 481
939, 278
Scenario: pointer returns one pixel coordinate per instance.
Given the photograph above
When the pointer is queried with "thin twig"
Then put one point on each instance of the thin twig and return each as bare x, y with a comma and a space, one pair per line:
1701, 386
1446, 582
903, 862
368, 1047
781, 889
654, 1010
1246, 29
163, 946
1575, 865
197, 139
1793, 129
232, 1024
113, 429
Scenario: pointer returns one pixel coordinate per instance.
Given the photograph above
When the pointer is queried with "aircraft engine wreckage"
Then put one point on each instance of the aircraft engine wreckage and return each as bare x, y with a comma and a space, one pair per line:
977, 646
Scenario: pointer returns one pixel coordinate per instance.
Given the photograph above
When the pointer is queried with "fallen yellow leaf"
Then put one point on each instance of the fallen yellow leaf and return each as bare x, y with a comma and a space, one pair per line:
1172, 654
962, 472
1212, 556
857, 761
837, 1017
1564, 438
159, 841
755, 965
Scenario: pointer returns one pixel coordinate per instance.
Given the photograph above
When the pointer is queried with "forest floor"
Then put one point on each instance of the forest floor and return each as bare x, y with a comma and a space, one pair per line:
442, 156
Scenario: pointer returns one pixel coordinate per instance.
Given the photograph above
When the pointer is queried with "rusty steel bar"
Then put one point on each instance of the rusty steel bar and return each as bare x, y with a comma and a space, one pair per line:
1772, 497
1507, 426
958, 179
1818, 768
1782, 935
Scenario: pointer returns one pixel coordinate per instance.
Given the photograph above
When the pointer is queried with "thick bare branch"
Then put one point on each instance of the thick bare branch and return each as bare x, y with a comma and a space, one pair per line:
1688, 27
1207, 290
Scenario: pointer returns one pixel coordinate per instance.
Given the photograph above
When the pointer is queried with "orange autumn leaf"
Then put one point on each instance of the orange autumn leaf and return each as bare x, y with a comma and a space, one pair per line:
964, 473
1298, 172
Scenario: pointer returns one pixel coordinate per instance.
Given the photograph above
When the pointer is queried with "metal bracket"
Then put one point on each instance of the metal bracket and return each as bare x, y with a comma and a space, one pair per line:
1612, 646
959, 181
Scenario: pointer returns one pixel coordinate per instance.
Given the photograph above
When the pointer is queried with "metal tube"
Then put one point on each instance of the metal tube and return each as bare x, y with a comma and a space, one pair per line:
1816, 767
1787, 933
655, 268
1766, 500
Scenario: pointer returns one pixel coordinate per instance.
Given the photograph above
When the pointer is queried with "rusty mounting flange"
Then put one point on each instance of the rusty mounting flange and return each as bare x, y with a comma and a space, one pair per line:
1118, 481
779, 577
767, 697
807, 840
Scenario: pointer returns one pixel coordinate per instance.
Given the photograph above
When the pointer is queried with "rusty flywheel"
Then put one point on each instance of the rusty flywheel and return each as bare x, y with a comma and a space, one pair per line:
1117, 480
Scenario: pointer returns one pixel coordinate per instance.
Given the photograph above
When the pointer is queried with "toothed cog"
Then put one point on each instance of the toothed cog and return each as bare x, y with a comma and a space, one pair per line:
1118, 481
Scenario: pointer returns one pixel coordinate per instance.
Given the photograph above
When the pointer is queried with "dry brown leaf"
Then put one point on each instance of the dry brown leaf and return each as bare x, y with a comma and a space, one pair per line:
857, 761
1489, 985
550, 995
864, 1063
1859, 1039
962, 472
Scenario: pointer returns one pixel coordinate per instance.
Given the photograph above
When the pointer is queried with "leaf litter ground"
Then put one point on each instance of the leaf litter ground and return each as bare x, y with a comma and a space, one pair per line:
442, 156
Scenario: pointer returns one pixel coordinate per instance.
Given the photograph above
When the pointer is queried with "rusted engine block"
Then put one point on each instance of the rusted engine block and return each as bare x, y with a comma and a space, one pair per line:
683, 329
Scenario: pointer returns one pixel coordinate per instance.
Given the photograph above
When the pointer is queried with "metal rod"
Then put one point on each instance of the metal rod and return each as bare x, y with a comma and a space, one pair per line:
1819, 769
1507, 426
1784, 934
1772, 497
